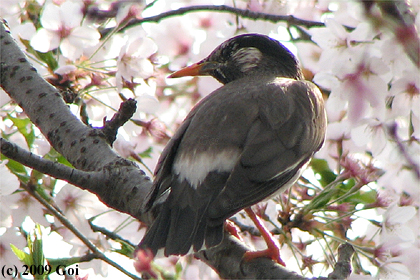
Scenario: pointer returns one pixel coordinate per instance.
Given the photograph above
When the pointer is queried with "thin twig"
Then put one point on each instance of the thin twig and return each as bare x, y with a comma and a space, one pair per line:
248, 14
227, 9
110, 234
392, 129
56, 213
342, 268
125, 112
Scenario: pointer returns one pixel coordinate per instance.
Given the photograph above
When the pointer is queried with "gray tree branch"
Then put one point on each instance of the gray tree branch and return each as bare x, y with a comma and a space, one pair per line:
80, 178
123, 185
124, 114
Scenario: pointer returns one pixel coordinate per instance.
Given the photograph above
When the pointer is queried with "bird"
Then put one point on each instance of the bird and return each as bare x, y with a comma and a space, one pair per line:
243, 143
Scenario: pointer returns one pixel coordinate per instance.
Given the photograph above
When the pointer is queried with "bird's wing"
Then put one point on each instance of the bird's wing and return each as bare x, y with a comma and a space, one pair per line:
210, 136
192, 170
289, 129
163, 170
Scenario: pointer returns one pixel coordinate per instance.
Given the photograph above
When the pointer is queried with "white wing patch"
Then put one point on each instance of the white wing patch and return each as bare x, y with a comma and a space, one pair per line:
194, 167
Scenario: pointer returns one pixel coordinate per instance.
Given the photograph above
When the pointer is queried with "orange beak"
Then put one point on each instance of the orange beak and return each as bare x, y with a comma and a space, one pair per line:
192, 70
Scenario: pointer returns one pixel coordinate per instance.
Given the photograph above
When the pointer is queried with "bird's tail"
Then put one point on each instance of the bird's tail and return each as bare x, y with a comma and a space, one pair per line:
179, 229
155, 237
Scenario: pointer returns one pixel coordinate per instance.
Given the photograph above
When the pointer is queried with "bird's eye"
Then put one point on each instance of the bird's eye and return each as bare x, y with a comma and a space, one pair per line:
247, 58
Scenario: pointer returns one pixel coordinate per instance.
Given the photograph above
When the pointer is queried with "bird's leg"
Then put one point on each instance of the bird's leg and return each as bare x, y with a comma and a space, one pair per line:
273, 250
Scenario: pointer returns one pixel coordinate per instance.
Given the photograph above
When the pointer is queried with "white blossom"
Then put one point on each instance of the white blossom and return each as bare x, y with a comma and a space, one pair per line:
61, 27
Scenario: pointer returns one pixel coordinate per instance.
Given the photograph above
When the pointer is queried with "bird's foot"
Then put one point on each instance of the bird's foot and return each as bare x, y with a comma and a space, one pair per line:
272, 253
273, 250
233, 229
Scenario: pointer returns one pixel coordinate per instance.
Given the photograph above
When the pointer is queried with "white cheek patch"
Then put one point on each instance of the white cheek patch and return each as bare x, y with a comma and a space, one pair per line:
194, 167
247, 58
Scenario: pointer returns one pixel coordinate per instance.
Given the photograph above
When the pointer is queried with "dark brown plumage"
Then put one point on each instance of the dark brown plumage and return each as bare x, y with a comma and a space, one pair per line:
240, 145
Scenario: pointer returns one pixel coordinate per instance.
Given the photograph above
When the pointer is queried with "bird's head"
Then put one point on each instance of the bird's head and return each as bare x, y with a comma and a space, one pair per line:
244, 55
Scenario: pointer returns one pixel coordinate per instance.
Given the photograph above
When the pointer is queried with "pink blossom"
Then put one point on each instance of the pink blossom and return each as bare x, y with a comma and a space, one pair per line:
143, 262
9, 181
124, 147
394, 270
399, 234
370, 134
7, 257
22, 204
133, 59
406, 94
75, 202
364, 88
62, 28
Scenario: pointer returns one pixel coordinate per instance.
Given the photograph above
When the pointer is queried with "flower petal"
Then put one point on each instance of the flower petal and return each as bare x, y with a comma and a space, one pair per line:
45, 40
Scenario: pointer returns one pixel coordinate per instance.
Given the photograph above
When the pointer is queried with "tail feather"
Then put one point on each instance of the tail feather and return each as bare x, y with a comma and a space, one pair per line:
157, 233
183, 221
181, 233
177, 230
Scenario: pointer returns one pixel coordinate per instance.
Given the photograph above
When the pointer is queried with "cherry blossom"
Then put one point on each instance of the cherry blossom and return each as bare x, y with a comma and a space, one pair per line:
9, 181
9, 184
10, 236
405, 93
365, 71
76, 202
133, 60
61, 27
